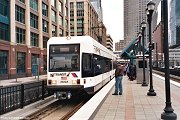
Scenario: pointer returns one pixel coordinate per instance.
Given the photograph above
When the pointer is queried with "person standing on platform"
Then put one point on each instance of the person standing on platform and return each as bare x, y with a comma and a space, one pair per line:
118, 79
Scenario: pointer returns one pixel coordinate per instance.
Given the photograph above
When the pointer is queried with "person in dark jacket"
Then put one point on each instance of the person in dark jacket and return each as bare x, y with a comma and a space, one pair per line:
118, 77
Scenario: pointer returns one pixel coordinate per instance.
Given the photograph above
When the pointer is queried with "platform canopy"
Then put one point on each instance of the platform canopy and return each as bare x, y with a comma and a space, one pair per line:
131, 50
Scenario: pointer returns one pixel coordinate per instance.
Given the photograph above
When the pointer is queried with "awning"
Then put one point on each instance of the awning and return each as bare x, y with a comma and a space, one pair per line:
131, 50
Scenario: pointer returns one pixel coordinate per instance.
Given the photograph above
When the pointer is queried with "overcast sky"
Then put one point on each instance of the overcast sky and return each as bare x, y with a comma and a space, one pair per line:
113, 18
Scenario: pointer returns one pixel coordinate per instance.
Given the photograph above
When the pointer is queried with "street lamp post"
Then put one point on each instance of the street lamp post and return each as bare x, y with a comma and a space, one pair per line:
156, 56
149, 12
143, 26
139, 42
168, 113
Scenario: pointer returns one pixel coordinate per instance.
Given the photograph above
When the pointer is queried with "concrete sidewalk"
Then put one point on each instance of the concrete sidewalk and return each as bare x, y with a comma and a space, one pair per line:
21, 80
134, 104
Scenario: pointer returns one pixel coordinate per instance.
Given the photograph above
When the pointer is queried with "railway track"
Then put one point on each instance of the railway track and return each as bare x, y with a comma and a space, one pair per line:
172, 77
59, 110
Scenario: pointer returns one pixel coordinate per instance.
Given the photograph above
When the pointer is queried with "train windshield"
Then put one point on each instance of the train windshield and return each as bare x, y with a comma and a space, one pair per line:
64, 58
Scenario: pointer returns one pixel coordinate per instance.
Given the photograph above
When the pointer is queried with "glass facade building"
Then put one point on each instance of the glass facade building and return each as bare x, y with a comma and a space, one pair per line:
174, 22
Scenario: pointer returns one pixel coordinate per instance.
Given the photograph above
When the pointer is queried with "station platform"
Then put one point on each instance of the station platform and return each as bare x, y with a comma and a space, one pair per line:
133, 104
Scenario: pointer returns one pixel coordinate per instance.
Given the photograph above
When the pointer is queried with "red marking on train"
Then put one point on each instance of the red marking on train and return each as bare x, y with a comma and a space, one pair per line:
74, 75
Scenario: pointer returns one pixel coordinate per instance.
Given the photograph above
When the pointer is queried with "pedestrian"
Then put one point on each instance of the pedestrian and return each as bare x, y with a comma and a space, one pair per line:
131, 72
124, 67
118, 79
127, 70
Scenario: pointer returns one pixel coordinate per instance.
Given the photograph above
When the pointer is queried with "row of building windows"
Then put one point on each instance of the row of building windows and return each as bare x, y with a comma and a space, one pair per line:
20, 36
20, 16
21, 62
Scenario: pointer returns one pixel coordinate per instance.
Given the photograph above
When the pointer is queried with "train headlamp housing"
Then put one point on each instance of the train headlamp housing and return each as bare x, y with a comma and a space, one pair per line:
52, 82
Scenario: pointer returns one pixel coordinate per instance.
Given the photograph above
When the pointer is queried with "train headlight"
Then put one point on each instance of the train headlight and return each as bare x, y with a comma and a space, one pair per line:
53, 81
74, 82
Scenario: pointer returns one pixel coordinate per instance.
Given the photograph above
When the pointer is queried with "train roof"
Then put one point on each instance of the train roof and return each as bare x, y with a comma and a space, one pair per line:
87, 42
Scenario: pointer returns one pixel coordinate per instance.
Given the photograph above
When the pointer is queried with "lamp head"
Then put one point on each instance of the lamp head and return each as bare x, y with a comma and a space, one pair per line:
143, 24
139, 34
151, 6
147, 11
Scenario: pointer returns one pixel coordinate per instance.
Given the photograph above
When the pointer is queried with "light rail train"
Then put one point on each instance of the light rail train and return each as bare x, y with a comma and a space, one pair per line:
78, 63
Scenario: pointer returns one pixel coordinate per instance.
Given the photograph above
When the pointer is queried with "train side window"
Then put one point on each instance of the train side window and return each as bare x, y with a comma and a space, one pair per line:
87, 65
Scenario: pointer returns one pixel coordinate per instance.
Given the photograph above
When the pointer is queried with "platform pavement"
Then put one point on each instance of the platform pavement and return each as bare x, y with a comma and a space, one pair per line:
9, 82
134, 104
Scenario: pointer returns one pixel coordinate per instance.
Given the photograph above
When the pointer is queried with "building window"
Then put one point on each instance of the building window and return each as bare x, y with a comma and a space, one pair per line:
53, 31
44, 9
71, 5
80, 5
45, 26
20, 14
53, 3
34, 21
21, 58
66, 24
79, 29
79, 21
3, 62
177, 35
53, 15
4, 31
45, 39
3, 7
71, 13
23, 1
72, 30
72, 22
60, 20
34, 4
80, 13
60, 7
20, 35
60, 32
34, 39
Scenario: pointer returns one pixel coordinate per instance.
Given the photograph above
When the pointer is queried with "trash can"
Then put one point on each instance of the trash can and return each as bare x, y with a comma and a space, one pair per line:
139, 69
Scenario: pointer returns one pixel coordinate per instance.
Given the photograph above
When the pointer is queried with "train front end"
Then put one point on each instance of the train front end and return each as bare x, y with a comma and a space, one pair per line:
64, 69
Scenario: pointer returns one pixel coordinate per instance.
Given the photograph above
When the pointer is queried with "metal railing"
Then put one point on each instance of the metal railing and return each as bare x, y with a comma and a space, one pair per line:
18, 96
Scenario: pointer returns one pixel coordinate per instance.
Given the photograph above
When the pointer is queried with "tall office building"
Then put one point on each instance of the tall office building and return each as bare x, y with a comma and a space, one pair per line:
134, 13
174, 23
97, 5
119, 46
25, 27
109, 43
84, 21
